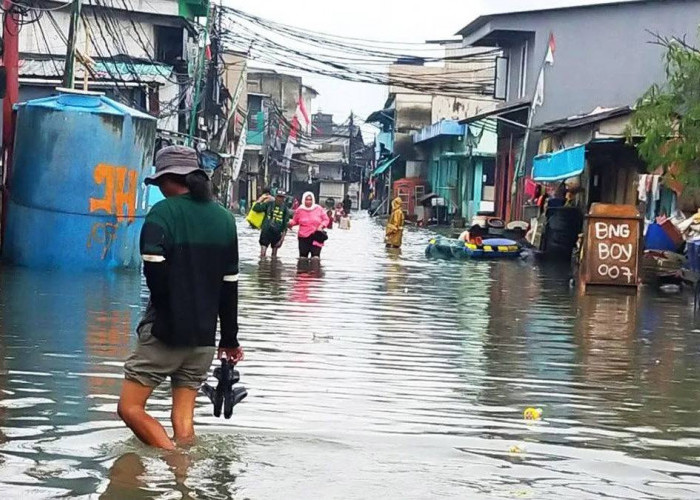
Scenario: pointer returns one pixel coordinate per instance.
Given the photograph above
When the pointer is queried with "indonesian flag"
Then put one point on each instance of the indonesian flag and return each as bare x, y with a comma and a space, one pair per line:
300, 122
548, 61
302, 115
551, 49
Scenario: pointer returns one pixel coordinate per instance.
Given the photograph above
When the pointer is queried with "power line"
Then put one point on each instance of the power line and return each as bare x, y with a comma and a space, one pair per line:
338, 57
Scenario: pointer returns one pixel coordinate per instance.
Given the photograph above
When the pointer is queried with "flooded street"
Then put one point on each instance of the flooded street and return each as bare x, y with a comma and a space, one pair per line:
377, 375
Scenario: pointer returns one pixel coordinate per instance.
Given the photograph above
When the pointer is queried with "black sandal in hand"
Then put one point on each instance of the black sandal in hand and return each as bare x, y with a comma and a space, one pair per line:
225, 395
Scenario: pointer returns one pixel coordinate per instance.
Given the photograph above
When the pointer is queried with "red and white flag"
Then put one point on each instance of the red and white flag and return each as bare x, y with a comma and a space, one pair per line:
551, 49
301, 122
548, 61
302, 116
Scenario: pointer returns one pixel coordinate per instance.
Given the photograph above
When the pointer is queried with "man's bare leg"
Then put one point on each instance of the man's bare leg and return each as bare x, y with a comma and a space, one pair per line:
132, 410
279, 245
182, 415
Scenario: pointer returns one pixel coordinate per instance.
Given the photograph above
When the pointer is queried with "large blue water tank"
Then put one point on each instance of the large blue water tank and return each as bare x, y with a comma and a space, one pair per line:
76, 190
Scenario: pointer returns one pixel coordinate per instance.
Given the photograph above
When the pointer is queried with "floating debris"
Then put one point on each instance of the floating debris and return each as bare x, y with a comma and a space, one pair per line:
532, 414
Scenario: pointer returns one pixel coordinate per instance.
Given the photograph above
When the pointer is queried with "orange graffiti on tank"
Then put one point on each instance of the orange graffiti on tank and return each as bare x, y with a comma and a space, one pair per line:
120, 191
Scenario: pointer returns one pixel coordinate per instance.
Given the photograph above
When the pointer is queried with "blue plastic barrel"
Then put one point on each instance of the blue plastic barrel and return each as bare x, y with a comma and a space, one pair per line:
77, 196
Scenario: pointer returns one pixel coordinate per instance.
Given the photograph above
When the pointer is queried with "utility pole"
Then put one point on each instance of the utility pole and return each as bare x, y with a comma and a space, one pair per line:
211, 89
69, 70
349, 176
198, 79
10, 59
85, 55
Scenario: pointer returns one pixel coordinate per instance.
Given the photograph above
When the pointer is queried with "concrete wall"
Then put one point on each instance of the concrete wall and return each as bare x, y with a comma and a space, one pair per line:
322, 125
452, 106
168, 93
308, 95
413, 111
331, 171
285, 90
457, 108
603, 55
233, 69
252, 162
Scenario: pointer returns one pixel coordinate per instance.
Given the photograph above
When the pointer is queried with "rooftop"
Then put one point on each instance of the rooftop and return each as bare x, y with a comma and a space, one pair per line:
269, 71
595, 116
481, 21
119, 68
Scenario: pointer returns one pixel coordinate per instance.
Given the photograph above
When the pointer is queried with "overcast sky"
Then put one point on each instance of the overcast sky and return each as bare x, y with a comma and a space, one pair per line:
399, 20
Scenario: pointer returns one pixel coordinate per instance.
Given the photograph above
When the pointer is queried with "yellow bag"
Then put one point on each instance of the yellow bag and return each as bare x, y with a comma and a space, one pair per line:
255, 219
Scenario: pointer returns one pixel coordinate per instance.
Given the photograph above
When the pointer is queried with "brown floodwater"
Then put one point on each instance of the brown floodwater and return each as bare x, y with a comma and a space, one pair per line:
376, 375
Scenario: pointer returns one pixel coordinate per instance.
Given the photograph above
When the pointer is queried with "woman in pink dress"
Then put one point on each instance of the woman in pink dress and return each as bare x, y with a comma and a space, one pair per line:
311, 220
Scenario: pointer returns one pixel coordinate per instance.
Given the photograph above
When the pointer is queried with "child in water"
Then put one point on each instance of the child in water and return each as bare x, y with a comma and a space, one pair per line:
473, 235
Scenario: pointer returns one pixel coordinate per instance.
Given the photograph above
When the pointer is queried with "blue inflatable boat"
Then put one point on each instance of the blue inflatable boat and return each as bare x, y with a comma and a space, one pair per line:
491, 248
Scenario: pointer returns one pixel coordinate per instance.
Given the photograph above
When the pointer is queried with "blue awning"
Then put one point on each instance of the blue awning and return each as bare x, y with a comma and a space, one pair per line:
384, 166
559, 165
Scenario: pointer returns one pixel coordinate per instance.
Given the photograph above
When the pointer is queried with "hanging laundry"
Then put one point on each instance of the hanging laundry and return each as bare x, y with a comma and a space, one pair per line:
642, 188
655, 188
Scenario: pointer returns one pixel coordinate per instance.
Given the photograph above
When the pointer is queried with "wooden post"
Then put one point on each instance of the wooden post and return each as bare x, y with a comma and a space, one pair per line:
198, 81
85, 54
69, 71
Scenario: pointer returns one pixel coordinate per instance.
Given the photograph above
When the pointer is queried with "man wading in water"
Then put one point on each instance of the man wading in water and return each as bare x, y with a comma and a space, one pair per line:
274, 226
190, 253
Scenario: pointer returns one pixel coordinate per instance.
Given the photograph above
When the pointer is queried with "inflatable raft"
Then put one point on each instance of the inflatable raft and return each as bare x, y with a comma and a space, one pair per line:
491, 248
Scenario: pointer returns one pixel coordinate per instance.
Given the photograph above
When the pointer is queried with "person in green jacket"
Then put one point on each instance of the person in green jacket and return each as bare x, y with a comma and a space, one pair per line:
274, 226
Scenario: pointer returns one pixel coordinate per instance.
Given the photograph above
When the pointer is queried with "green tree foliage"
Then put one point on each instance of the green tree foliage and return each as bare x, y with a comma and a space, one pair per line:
667, 117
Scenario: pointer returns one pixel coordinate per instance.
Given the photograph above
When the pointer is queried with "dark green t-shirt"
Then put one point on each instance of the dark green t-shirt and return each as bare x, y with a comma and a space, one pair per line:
190, 251
276, 216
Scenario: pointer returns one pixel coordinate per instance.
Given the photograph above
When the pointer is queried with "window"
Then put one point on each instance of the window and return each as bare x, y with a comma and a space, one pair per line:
254, 104
522, 85
168, 44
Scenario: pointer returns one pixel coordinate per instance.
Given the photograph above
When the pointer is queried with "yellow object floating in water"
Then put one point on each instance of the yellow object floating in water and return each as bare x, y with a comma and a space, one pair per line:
532, 414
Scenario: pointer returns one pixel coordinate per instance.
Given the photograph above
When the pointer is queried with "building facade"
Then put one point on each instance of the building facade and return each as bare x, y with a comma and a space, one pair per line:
272, 100
602, 59
134, 52
460, 168
404, 145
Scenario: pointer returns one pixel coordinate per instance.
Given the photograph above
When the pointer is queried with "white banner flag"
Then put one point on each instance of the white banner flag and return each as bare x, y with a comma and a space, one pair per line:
240, 150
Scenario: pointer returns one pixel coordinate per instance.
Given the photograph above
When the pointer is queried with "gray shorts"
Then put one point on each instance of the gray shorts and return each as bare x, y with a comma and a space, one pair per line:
153, 361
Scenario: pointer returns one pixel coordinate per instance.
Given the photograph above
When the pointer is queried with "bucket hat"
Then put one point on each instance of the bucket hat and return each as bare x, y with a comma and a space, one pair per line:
176, 160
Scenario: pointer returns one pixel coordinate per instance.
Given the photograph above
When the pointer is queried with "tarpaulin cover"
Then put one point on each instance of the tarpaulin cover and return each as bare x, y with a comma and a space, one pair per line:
384, 166
559, 165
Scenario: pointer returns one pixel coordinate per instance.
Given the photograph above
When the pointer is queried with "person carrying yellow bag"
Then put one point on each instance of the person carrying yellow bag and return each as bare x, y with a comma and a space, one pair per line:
256, 219
274, 226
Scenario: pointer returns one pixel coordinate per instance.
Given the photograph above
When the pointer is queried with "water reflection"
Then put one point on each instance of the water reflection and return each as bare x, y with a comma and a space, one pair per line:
374, 368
